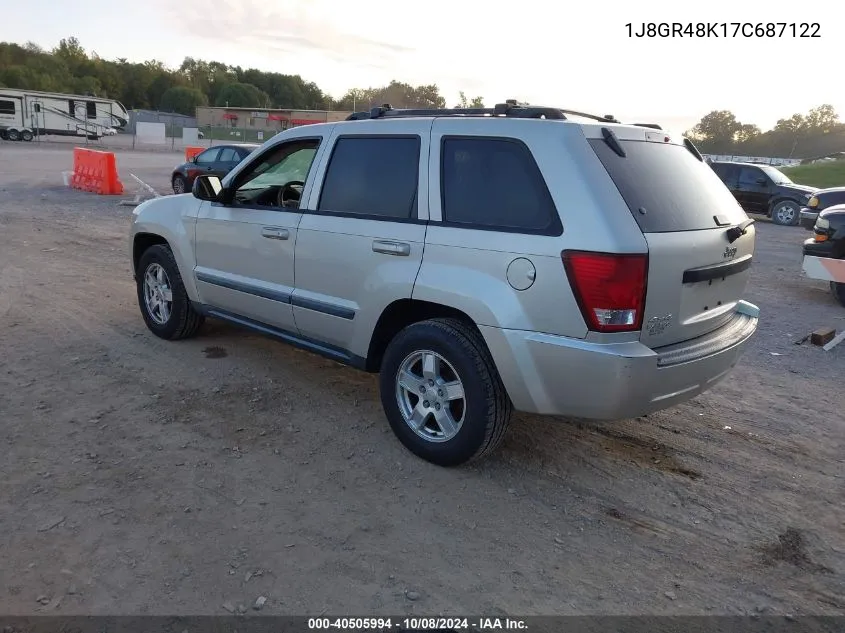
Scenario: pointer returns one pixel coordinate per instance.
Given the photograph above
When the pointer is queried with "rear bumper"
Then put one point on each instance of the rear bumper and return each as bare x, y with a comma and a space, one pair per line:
812, 248
555, 375
808, 218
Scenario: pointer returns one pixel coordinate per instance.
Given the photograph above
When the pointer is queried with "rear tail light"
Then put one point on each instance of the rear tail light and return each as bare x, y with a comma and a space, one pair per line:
610, 289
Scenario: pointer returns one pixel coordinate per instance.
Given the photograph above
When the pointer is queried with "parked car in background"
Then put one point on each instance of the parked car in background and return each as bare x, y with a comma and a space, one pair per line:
765, 190
821, 200
824, 253
218, 161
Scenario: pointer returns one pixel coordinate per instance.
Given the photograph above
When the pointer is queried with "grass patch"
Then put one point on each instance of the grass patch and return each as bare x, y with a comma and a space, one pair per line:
823, 175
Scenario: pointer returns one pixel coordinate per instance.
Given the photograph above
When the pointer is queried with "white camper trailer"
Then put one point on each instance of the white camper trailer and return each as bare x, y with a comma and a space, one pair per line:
25, 113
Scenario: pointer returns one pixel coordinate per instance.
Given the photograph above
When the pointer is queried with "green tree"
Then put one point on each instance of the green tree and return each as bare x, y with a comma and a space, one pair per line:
463, 102
240, 95
822, 119
71, 51
183, 100
717, 129
747, 132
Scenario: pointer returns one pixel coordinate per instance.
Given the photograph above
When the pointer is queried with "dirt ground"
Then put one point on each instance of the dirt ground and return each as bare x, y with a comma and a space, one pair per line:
147, 477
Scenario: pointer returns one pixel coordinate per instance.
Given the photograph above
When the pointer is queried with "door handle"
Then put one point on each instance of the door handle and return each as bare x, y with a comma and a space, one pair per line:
275, 234
391, 248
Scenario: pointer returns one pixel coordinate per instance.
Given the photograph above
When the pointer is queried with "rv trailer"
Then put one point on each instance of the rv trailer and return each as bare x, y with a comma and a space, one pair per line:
26, 113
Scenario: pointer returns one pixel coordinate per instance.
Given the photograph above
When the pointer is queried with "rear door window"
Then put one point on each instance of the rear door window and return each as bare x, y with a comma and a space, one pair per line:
666, 188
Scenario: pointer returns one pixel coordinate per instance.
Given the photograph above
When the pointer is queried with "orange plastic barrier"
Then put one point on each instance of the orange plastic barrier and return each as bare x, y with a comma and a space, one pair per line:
190, 152
96, 172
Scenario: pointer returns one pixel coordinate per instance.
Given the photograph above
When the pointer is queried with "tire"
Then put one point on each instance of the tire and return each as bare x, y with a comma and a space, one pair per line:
26, 135
786, 213
482, 414
838, 292
13, 135
178, 185
182, 320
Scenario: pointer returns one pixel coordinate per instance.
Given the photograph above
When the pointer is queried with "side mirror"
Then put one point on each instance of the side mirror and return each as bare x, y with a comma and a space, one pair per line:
207, 188
761, 181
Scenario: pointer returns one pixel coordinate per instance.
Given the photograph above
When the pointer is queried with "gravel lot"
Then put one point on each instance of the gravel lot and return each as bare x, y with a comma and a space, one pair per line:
146, 477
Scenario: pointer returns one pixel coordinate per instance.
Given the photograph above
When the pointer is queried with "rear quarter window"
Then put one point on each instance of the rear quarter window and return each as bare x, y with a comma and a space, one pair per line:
495, 184
666, 188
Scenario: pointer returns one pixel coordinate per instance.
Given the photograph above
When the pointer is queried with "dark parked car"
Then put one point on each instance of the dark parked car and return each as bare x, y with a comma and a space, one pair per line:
824, 253
764, 189
821, 200
218, 161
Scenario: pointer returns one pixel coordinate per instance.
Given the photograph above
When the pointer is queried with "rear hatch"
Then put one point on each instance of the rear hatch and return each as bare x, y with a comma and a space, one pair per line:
696, 275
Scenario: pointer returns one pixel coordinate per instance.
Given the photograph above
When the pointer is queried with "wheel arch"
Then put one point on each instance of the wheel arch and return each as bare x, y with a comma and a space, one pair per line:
143, 241
399, 315
144, 238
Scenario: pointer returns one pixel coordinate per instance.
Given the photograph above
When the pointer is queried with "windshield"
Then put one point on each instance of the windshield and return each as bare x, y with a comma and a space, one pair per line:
777, 176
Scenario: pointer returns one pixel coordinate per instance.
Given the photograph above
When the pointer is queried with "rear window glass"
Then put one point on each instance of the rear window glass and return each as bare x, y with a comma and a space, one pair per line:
667, 188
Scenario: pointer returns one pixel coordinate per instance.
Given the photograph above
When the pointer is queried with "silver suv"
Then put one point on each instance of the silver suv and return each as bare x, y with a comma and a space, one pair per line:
479, 260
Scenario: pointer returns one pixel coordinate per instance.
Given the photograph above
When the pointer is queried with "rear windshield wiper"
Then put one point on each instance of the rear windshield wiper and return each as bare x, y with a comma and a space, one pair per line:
693, 149
612, 141
736, 232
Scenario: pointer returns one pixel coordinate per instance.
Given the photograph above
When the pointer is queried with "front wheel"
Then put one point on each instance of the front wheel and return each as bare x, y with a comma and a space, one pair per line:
164, 303
838, 291
442, 394
786, 213
26, 135
178, 185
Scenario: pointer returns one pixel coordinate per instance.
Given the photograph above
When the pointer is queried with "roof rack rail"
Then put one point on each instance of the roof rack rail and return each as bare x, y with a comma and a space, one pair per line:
653, 126
511, 108
605, 118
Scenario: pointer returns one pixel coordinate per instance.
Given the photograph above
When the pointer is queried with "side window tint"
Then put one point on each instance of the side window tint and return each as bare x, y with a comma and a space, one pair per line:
208, 156
731, 174
750, 175
278, 176
373, 176
228, 155
495, 183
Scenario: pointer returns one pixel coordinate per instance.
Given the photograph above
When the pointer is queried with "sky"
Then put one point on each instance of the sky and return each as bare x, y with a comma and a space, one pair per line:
576, 55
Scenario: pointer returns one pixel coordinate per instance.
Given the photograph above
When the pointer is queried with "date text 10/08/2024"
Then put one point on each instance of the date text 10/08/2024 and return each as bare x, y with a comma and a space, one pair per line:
724, 29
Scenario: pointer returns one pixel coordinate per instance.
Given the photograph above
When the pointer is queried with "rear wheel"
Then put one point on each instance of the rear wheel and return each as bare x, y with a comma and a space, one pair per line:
786, 213
838, 291
442, 394
178, 184
164, 303
13, 135
26, 135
